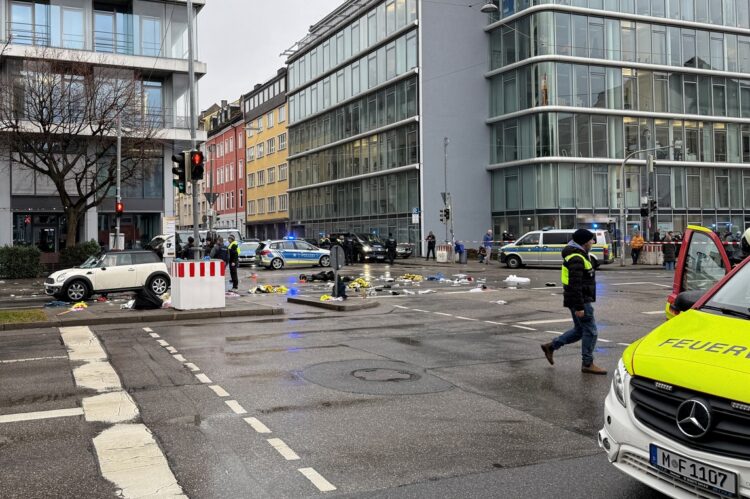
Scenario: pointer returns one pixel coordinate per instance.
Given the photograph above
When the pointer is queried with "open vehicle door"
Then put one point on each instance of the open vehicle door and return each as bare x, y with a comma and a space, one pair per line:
703, 261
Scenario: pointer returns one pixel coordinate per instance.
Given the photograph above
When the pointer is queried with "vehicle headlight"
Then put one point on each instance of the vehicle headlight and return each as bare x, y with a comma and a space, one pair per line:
61, 277
366, 247
618, 383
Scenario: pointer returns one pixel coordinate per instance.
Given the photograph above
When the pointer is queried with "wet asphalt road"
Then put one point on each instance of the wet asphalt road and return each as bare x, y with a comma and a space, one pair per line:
441, 394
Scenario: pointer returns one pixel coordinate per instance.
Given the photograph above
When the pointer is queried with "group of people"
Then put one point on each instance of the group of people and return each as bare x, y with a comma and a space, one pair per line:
669, 247
217, 250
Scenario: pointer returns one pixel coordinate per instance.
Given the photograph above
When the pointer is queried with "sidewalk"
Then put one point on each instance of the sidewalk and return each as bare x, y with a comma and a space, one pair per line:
109, 313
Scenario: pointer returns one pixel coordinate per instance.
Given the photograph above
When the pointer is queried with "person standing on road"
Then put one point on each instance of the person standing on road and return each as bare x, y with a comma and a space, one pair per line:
636, 245
669, 250
234, 262
487, 245
430, 246
348, 246
579, 285
390, 247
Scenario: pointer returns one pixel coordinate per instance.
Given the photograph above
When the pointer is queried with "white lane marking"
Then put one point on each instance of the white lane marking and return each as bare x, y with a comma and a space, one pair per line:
114, 407
443, 313
547, 287
171, 349
130, 458
148, 329
286, 452
605, 341
466, 318
554, 332
154, 335
179, 357
523, 327
32, 359
636, 283
420, 310
203, 378
32, 416
219, 390
99, 376
399, 306
496, 323
654, 312
257, 425
192, 366
317, 479
162, 343
235, 406
548, 321
82, 344
624, 344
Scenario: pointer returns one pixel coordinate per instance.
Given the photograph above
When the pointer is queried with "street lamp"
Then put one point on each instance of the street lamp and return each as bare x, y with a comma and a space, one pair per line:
489, 8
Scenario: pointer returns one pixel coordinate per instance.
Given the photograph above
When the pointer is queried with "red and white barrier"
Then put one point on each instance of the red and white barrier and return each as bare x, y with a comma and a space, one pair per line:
198, 285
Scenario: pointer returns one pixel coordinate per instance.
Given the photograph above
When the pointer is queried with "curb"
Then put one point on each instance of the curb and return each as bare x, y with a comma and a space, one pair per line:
164, 317
338, 306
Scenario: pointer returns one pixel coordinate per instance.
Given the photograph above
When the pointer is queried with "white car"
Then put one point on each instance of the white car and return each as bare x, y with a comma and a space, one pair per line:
109, 272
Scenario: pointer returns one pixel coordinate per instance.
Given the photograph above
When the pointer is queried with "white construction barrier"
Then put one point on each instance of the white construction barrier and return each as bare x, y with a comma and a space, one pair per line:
443, 253
198, 285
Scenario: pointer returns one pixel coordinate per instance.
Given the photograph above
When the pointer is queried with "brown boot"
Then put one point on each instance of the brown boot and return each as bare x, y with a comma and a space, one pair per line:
592, 369
548, 352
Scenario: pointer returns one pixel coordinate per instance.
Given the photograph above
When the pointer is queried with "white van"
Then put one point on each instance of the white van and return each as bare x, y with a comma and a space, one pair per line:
544, 247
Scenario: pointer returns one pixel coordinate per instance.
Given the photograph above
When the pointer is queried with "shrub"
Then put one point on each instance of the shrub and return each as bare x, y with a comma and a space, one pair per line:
20, 262
76, 255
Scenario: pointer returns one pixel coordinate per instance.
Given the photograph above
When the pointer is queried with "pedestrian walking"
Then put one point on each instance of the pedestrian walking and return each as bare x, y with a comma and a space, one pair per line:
234, 262
636, 245
578, 277
487, 245
430, 246
669, 250
390, 248
348, 245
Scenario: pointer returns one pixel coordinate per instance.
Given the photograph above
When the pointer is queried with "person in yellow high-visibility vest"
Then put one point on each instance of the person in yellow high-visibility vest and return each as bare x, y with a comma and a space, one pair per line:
578, 277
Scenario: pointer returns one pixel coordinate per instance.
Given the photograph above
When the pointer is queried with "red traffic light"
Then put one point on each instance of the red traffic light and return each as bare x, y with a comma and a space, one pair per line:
196, 158
119, 208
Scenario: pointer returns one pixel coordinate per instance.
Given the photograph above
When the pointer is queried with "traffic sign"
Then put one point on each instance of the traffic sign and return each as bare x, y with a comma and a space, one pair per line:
338, 258
211, 197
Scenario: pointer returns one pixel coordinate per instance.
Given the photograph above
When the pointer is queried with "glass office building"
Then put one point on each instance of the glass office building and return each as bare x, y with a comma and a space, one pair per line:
578, 84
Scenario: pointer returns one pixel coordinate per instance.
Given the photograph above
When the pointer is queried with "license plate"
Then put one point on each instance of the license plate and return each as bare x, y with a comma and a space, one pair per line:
694, 472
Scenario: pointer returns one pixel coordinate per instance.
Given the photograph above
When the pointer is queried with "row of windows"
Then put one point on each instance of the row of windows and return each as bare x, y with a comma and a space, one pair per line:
382, 151
266, 148
226, 173
379, 109
586, 136
582, 186
267, 205
268, 93
365, 32
385, 195
560, 33
269, 119
386, 63
718, 12
579, 85
398, 225
267, 176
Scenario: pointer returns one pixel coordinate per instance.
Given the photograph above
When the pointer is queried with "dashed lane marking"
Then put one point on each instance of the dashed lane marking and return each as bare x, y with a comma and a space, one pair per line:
624, 344
554, 332
32, 416
443, 313
495, 323
641, 283
605, 341
235, 406
148, 329
171, 350
257, 425
283, 449
203, 378
420, 310
178, 357
192, 366
162, 343
548, 321
523, 327
466, 318
32, 359
653, 312
154, 335
219, 390
400, 306
317, 479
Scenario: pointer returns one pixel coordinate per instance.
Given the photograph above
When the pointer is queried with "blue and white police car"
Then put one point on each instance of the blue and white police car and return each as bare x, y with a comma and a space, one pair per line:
292, 253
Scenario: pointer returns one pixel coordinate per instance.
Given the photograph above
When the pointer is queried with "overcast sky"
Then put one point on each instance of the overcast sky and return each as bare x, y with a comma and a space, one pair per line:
241, 40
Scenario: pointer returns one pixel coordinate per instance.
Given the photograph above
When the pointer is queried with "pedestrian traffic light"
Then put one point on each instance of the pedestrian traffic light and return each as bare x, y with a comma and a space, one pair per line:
644, 210
196, 163
119, 208
442, 215
181, 172
654, 205
447, 214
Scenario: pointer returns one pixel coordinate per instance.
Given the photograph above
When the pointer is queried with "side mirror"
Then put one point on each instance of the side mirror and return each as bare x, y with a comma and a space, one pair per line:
685, 300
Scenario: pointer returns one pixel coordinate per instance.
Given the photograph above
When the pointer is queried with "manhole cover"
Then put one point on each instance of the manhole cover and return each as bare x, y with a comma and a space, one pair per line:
374, 377
390, 375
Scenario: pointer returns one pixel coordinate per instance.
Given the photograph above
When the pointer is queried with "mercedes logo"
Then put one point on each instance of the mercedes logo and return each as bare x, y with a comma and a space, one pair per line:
694, 418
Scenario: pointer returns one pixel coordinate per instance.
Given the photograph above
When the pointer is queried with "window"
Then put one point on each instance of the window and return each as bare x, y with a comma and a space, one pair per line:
261, 206
260, 150
251, 153
282, 114
231, 144
283, 201
231, 171
282, 142
251, 207
261, 178
271, 204
269, 119
283, 172
271, 175
259, 125
240, 169
271, 145
250, 180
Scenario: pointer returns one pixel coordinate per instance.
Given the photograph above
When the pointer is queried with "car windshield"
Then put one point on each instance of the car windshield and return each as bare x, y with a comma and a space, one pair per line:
734, 296
370, 238
91, 262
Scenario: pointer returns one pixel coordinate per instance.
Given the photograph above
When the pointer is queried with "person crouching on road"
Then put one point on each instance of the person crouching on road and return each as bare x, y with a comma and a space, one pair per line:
234, 262
579, 285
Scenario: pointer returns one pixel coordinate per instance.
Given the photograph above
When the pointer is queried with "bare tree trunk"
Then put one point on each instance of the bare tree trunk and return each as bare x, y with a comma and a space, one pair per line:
72, 217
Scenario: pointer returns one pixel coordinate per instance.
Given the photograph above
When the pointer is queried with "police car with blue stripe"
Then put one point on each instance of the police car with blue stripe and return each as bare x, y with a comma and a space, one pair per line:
544, 247
290, 252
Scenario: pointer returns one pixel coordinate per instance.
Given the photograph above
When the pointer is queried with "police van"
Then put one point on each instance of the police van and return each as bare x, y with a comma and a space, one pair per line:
544, 247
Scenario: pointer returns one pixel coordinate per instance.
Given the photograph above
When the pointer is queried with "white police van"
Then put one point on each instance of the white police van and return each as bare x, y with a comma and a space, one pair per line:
544, 247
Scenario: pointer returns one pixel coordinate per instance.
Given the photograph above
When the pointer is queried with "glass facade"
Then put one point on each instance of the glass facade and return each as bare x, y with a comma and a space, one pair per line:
353, 111
572, 93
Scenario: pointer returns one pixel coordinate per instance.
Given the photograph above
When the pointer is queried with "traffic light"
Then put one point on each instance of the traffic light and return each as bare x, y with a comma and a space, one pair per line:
181, 171
447, 214
442, 215
119, 208
653, 205
644, 210
196, 163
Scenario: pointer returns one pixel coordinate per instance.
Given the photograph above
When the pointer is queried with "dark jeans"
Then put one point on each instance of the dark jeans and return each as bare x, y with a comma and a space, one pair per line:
391, 255
431, 249
635, 253
584, 329
233, 275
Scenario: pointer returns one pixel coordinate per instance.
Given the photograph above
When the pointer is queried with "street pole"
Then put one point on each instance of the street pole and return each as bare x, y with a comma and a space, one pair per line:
117, 185
193, 140
446, 141
210, 210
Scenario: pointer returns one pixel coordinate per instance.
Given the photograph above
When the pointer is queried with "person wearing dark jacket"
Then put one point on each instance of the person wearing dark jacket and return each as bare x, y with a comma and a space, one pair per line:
430, 246
669, 250
348, 245
578, 277
234, 262
390, 248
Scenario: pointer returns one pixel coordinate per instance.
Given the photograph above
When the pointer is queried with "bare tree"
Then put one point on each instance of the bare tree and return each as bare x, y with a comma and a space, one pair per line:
59, 120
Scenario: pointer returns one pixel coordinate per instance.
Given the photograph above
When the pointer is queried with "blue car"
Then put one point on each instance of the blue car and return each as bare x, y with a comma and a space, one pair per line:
292, 253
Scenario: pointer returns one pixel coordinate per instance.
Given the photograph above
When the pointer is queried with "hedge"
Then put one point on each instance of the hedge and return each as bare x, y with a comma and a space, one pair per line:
20, 262
76, 255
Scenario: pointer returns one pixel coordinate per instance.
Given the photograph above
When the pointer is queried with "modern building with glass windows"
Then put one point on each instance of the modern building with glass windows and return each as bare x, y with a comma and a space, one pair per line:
374, 88
146, 37
576, 85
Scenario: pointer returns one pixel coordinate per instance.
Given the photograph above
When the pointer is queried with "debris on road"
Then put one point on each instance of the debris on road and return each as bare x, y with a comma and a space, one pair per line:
268, 289
517, 280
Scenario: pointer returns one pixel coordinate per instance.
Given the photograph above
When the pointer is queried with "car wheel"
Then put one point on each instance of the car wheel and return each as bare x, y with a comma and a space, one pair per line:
513, 262
325, 261
277, 264
76, 291
159, 284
